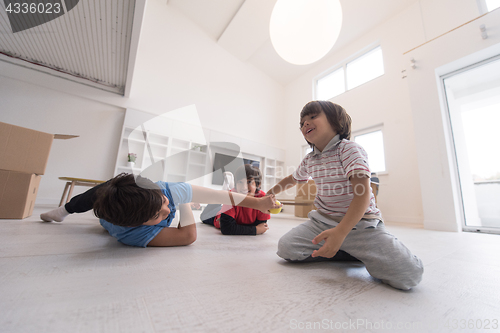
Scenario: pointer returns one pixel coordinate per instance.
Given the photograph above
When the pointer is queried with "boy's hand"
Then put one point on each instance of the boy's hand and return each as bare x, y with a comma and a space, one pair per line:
261, 228
333, 240
268, 202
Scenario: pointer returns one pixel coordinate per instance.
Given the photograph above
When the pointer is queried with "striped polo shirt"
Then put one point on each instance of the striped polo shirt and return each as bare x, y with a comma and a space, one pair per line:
331, 170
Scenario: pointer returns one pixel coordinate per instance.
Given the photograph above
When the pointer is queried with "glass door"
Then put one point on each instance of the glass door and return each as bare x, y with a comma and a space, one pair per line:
473, 100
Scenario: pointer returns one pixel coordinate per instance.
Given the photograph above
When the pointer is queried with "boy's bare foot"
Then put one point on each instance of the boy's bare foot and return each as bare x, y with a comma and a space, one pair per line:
57, 215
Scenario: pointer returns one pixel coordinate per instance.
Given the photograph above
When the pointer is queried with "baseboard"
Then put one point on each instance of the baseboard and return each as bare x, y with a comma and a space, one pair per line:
442, 226
47, 201
406, 220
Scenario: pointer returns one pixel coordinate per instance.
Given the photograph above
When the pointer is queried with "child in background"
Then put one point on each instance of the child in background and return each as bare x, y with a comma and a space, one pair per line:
347, 225
138, 212
234, 220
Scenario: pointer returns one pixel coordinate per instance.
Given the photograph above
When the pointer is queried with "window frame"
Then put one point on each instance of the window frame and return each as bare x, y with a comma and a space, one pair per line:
368, 130
490, 10
358, 58
343, 64
483, 7
343, 68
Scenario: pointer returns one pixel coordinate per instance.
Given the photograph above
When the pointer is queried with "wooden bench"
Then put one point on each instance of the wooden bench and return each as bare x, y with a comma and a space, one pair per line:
72, 182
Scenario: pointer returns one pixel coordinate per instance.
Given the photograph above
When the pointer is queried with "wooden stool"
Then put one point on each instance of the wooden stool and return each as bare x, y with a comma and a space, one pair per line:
72, 182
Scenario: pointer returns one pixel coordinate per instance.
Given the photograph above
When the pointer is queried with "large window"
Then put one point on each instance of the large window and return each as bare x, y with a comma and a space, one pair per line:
486, 6
350, 74
492, 4
330, 85
365, 68
373, 143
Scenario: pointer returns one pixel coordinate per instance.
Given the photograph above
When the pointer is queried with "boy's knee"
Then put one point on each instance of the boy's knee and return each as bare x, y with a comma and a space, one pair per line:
283, 248
415, 275
408, 277
296, 244
286, 249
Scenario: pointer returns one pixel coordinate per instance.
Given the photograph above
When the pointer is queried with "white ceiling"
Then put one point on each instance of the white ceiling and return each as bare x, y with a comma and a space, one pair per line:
89, 42
95, 42
241, 27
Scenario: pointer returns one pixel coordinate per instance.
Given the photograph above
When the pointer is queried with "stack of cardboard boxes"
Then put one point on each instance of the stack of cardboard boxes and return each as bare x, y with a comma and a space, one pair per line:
23, 158
306, 192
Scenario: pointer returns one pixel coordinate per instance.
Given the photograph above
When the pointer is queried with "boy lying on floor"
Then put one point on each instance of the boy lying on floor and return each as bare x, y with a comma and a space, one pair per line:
234, 220
138, 212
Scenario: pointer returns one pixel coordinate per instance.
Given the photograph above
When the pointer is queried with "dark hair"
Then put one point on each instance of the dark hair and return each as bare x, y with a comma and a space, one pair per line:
128, 202
336, 115
249, 172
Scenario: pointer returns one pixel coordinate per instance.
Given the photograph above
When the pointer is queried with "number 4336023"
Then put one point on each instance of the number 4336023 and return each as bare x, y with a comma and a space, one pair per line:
478, 324
33, 8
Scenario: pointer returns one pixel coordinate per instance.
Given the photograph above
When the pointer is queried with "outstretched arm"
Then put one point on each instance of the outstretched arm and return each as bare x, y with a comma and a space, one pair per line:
284, 184
207, 195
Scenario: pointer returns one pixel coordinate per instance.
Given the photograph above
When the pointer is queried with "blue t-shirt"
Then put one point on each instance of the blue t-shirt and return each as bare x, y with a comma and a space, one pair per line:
176, 193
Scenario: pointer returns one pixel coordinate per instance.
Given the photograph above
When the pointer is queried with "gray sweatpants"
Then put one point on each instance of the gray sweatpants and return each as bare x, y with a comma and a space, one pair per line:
384, 256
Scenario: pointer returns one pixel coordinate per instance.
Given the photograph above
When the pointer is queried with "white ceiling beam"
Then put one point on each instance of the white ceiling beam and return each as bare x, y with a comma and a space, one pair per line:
139, 11
249, 29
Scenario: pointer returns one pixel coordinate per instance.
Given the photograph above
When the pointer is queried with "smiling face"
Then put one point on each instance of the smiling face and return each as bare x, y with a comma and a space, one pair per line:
161, 215
246, 186
317, 130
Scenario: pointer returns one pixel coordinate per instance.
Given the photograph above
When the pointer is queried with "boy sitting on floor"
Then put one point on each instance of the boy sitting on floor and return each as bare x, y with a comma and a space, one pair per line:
234, 220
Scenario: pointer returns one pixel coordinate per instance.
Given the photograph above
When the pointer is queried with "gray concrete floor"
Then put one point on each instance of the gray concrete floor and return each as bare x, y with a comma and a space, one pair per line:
73, 277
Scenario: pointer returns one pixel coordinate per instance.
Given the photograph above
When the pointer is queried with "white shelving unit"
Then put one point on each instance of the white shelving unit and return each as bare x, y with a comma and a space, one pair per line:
198, 163
178, 154
183, 161
131, 142
274, 172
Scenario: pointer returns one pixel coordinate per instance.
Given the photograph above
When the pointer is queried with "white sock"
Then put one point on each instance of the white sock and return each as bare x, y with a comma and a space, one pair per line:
57, 215
228, 181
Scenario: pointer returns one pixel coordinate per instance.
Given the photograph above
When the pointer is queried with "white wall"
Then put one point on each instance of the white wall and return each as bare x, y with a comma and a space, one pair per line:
386, 100
458, 49
177, 65
90, 156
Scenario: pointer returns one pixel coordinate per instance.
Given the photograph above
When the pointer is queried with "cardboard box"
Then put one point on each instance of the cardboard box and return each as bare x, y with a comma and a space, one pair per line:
24, 154
25, 150
307, 190
18, 192
303, 210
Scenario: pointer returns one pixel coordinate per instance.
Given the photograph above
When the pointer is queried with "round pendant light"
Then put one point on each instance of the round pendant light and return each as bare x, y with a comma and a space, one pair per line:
303, 31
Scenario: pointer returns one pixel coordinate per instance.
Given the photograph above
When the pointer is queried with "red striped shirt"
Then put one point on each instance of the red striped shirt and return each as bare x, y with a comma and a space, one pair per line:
331, 170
